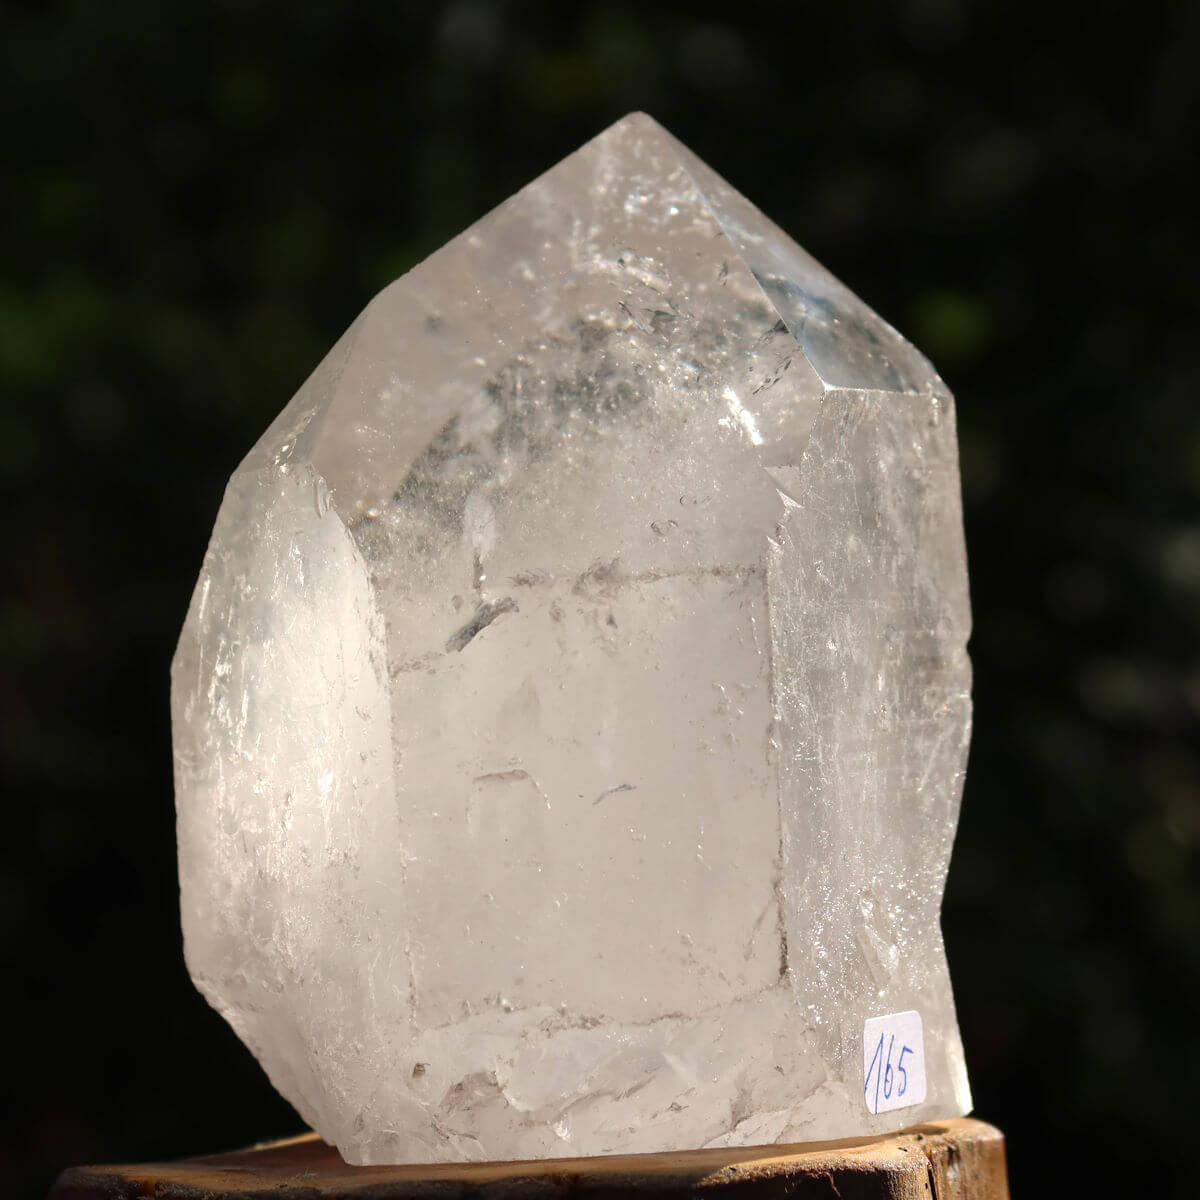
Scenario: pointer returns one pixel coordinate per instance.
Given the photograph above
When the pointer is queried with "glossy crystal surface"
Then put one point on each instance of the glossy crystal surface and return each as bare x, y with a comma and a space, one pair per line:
571, 714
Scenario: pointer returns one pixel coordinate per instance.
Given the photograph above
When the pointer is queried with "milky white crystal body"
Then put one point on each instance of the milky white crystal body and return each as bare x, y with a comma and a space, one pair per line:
571, 715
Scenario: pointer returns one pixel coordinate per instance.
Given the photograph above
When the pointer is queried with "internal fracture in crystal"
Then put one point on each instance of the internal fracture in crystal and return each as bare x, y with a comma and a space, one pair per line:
571, 715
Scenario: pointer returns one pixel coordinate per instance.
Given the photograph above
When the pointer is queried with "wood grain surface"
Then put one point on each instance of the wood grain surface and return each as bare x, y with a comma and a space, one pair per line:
945, 1160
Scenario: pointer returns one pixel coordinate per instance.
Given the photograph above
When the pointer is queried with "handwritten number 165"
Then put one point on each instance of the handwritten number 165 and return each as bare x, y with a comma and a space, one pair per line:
886, 1076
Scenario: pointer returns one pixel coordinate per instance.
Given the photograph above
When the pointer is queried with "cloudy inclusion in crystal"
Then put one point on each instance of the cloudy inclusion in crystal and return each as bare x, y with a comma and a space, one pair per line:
571, 714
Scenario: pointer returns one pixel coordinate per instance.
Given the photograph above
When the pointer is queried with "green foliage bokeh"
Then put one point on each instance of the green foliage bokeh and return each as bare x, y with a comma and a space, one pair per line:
200, 196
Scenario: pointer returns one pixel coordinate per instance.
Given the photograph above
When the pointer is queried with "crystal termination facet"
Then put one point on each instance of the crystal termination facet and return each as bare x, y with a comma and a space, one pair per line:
571, 714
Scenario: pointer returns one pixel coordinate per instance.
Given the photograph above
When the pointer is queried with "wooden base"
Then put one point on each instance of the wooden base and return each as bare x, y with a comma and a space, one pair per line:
944, 1160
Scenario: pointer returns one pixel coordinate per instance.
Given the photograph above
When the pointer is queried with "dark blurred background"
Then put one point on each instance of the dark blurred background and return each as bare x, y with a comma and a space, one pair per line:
199, 196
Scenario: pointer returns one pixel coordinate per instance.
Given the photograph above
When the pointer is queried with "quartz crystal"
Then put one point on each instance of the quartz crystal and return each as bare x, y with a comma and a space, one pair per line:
571, 714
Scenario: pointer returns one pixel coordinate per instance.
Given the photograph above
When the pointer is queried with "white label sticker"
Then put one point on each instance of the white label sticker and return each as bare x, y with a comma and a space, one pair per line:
893, 1062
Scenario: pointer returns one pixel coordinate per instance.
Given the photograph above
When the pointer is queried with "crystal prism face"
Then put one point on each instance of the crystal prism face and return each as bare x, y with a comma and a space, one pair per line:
571, 714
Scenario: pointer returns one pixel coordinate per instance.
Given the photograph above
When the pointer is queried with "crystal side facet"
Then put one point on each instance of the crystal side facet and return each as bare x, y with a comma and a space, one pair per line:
571, 714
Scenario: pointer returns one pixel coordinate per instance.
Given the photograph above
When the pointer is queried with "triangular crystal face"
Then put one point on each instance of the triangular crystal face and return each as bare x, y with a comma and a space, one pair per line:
571, 713
849, 345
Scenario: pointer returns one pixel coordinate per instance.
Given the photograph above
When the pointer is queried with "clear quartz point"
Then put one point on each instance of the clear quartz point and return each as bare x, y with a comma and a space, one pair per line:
571, 714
